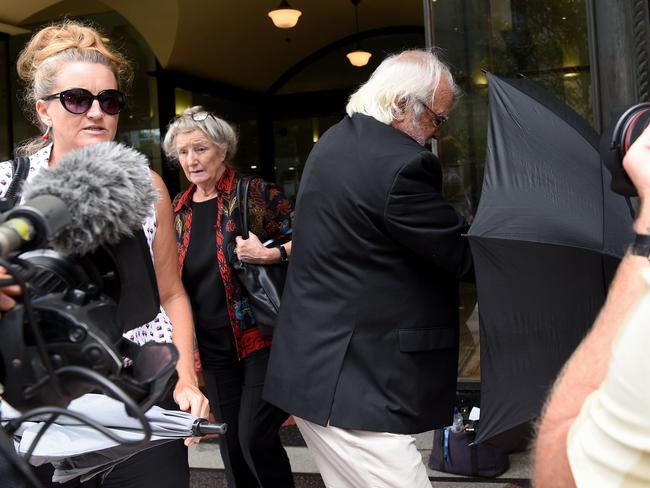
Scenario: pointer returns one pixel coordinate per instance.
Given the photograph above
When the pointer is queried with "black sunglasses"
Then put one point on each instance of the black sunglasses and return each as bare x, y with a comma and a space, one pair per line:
79, 100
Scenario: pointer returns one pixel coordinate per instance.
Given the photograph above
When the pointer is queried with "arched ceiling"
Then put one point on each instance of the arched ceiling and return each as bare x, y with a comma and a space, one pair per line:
229, 41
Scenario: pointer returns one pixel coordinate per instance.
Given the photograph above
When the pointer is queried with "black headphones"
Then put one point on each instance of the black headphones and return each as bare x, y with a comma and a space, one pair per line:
614, 144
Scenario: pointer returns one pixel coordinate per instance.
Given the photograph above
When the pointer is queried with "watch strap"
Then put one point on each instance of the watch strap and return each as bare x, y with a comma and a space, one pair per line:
283, 253
641, 245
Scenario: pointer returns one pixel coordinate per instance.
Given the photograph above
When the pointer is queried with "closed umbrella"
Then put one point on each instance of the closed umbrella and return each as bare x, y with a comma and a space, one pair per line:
76, 449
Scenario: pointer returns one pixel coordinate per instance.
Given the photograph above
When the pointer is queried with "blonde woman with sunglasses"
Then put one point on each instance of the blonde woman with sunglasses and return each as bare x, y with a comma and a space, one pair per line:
74, 82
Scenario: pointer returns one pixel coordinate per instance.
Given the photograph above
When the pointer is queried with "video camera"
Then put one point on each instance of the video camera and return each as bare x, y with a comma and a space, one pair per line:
616, 141
73, 313
77, 248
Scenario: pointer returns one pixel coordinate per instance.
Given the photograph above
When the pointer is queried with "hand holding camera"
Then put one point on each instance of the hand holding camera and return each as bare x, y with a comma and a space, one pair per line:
625, 150
637, 163
7, 292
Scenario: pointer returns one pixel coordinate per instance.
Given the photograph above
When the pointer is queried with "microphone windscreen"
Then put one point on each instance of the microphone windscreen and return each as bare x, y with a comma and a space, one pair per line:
108, 190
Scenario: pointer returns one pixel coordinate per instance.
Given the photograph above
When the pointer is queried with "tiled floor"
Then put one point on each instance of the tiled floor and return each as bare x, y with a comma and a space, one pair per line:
207, 467
215, 479
209, 478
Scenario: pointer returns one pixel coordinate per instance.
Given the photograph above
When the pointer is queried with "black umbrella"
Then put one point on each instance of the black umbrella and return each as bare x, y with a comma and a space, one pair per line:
546, 240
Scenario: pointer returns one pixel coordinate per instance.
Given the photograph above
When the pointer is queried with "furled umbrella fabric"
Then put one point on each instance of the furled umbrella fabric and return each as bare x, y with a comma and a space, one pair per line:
546, 240
80, 451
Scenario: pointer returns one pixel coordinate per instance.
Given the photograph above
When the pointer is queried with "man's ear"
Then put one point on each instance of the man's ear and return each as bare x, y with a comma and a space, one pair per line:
400, 113
42, 112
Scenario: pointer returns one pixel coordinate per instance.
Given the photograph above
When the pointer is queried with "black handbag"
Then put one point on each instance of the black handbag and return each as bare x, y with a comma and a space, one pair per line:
263, 282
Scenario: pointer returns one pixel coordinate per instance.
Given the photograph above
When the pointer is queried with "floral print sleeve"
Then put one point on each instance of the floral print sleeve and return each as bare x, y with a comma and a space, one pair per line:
270, 211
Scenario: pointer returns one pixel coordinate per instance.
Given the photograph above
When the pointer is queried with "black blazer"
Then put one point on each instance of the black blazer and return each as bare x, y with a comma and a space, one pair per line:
367, 336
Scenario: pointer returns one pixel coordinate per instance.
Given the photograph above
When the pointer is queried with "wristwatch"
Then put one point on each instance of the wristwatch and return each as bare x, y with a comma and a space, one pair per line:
641, 245
284, 257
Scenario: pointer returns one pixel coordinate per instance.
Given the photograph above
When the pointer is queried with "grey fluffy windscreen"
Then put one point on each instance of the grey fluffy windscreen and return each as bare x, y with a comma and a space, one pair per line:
108, 190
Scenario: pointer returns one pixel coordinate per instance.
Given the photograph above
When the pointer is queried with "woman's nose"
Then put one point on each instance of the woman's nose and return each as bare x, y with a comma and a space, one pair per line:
95, 110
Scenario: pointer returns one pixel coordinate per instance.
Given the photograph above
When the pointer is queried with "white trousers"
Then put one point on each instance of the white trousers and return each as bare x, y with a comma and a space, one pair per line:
362, 459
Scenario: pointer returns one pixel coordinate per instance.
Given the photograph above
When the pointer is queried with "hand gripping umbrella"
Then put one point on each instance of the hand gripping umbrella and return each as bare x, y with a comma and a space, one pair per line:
546, 240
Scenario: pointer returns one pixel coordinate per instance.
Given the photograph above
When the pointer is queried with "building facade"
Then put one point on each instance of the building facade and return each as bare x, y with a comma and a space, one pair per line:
284, 88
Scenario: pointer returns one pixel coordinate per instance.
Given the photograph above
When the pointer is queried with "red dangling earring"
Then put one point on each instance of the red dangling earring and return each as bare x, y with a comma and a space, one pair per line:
46, 136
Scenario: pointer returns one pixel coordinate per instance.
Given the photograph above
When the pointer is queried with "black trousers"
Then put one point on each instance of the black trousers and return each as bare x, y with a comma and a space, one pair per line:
251, 449
164, 466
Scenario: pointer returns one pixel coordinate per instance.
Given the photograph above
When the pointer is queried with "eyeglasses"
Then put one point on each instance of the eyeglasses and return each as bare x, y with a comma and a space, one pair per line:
201, 116
79, 100
437, 119
195, 116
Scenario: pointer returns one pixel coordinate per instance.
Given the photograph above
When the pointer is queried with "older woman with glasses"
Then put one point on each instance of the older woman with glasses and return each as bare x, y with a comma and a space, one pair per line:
67, 67
233, 351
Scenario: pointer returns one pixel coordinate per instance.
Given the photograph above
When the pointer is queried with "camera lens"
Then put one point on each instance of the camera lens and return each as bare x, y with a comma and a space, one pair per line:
633, 125
616, 141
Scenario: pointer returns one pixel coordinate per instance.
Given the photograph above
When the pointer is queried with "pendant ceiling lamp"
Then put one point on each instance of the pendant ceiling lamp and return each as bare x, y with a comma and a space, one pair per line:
358, 57
284, 16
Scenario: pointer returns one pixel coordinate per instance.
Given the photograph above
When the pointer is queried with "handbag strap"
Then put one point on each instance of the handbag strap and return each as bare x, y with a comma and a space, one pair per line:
12, 195
242, 203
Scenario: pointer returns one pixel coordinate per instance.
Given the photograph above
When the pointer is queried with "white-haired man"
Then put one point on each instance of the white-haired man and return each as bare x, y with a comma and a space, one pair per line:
366, 347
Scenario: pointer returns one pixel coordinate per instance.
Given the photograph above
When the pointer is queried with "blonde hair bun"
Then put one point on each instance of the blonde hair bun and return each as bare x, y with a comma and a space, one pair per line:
62, 36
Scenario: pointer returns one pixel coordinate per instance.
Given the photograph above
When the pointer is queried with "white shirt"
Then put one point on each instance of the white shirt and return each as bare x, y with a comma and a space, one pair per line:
160, 328
608, 445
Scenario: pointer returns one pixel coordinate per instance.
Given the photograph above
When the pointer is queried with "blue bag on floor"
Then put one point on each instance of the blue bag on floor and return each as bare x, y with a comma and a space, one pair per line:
454, 452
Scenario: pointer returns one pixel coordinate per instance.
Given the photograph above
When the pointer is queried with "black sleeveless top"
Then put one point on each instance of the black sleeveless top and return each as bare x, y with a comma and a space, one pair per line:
201, 276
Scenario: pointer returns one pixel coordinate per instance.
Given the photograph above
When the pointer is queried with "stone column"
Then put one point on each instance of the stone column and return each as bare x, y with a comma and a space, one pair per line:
619, 45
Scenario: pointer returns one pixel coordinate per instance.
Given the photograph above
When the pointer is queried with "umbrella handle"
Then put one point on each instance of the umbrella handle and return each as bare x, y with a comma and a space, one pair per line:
202, 427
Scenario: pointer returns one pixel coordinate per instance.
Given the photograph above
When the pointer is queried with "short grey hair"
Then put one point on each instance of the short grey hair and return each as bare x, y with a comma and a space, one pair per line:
407, 77
220, 132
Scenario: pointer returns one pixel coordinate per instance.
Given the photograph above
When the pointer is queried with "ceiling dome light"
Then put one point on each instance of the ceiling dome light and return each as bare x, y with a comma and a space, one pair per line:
358, 58
284, 16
